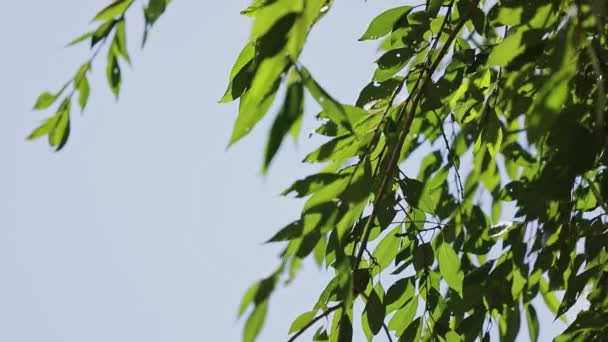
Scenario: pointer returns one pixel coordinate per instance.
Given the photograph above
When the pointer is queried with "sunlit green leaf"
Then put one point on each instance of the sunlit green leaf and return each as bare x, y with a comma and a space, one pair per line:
383, 23
255, 322
115, 9
449, 267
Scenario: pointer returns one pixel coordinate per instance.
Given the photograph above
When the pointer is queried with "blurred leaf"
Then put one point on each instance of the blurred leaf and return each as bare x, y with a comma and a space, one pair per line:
45, 100
113, 74
115, 9
301, 321
286, 118
254, 322
533, 325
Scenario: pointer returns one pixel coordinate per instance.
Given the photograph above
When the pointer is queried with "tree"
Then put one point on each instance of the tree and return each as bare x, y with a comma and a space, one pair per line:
506, 102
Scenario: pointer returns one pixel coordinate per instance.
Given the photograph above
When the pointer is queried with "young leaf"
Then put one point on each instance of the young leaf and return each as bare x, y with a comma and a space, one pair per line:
255, 322
115, 9
81, 38
61, 132
120, 41
45, 100
383, 23
113, 73
45, 128
83, 92
102, 32
449, 267
248, 298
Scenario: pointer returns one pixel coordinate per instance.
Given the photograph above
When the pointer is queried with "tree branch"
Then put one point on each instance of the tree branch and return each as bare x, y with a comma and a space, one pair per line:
414, 98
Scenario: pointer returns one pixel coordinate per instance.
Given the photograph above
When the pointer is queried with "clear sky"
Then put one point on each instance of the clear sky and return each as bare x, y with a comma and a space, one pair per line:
144, 228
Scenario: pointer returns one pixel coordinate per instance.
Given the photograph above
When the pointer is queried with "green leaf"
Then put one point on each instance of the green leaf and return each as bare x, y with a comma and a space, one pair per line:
391, 62
45, 128
576, 285
120, 41
333, 109
252, 9
61, 132
301, 321
154, 10
255, 322
345, 332
45, 100
402, 319
424, 256
399, 293
81, 38
248, 298
387, 250
533, 325
549, 298
113, 73
383, 23
376, 311
273, 13
290, 232
311, 184
102, 32
449, 267
375, 92
250, 115
152, 13
260, 95
83, 92
115, 9
240, 75
292, 110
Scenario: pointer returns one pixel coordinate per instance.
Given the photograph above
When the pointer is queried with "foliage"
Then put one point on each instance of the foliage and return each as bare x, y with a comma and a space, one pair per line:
506, 100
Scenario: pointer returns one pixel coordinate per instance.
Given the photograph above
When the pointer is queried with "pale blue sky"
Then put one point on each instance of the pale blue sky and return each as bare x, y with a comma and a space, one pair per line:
144, 228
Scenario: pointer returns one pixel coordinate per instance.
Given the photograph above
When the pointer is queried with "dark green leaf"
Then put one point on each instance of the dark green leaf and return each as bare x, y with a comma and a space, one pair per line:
113, 73
376, 311
289, 232
532, 319
286, 118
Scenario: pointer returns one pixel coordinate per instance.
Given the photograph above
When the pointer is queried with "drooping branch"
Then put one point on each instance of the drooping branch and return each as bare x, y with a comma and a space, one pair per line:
410, 106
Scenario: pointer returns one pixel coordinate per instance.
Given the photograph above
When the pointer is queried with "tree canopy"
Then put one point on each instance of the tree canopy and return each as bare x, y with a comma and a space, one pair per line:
503, 102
